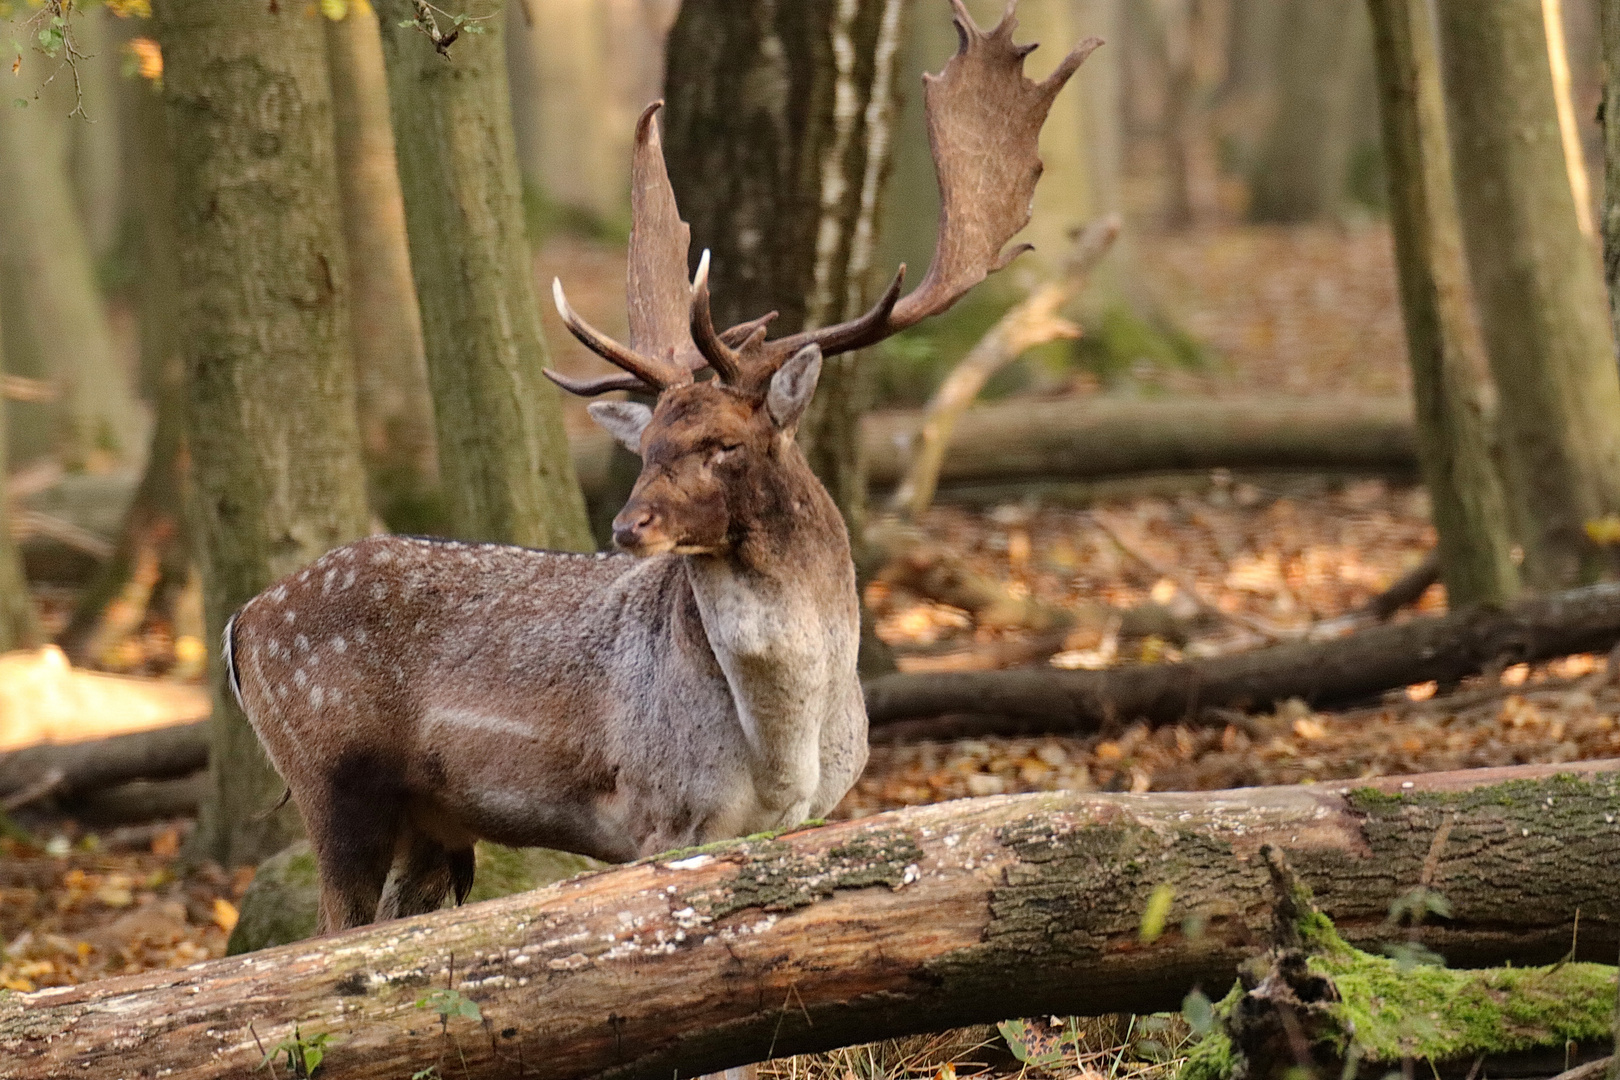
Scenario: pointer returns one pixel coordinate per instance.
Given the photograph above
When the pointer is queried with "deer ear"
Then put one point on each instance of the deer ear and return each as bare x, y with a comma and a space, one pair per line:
792, 387
624, 420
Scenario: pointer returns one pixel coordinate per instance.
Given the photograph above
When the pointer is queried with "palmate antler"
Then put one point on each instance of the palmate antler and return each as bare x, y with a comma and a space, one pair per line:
984, 124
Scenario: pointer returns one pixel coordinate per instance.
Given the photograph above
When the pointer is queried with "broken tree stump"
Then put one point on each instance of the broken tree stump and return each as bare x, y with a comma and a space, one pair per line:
922, 919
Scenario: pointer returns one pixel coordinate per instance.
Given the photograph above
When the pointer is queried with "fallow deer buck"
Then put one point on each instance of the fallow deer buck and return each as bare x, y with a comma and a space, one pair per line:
418, 694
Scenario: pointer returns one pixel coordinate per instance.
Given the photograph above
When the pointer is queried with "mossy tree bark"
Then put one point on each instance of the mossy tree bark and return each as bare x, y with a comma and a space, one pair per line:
503, 457
1300, 174
270, 414
1465, 491
396, 407
777, 135
928, 918
1538, 283
52, 308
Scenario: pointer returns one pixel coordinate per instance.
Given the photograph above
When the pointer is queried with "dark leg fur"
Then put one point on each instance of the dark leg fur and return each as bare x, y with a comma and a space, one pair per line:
461, 873
424, 874
354, 843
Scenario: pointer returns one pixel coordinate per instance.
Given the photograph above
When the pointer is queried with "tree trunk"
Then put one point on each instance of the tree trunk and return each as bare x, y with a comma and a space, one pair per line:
928, 918
54, 309
159, 754
1609, 111
1468, 506
503, 458
94, 154
274, 446
1444, 648
154, 521
1301, 171
778, 133
1191, 34
1538, 283
396, 408
19, 625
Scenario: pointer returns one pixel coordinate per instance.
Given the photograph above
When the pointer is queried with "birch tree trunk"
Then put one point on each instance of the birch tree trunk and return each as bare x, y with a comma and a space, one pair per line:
932, 917
1469, 508
1538, 283
778, 134
396, 407
503, 457
264, 317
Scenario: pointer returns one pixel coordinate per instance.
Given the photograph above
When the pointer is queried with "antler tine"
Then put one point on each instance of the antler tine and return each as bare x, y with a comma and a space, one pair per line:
984, 125
603, 385
653, 373
725, 360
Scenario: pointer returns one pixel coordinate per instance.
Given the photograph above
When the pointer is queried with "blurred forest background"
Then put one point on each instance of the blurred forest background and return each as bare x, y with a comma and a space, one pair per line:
1305, 344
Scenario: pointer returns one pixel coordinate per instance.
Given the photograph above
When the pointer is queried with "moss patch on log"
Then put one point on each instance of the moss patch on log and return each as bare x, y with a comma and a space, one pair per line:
1390, 1009
779, 878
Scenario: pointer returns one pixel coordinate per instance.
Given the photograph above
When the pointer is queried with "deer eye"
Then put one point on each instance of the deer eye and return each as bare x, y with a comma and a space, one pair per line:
723, 451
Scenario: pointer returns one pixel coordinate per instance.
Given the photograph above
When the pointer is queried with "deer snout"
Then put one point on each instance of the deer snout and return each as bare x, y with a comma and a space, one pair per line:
635, 529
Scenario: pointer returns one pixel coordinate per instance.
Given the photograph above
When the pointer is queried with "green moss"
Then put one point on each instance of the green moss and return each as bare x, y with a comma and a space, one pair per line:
1440, 1014
503, 871
1539, 795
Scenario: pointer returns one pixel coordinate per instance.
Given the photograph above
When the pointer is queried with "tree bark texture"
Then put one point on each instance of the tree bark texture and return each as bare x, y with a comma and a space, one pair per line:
1454, 444
273, 443
1445, 648
923, 919
396, 407
503, 458
1609, 37
777, 134
53, 310
1301, 171
1538, 283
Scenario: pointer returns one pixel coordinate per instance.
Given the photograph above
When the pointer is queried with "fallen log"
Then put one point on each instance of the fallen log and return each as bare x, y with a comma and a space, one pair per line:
1075, 439
1326, 673
158, 754
923, 919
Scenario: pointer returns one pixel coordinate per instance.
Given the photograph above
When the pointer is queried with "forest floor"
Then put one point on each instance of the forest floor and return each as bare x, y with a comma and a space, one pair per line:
1308, 310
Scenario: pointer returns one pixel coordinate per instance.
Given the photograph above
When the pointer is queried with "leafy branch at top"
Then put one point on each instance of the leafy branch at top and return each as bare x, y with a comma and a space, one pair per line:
51, 33
426, 21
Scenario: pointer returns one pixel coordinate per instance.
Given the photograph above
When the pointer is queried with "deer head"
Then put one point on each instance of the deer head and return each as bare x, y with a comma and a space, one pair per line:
717, 453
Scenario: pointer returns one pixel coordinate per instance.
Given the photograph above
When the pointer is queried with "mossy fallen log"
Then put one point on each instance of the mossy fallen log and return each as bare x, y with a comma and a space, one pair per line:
1318, 1003
927, 918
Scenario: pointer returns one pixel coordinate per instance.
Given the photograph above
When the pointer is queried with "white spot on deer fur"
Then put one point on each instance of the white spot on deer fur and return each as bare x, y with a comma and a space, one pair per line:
379, 591
302, 642
300, 678
316, 696
290, 616
337, 695
339, 646
328, 580
348, 579
382, 557
360, 636
468, 720
279, 593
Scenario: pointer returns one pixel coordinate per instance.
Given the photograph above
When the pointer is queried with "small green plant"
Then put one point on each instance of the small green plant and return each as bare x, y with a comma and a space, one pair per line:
429, 1073
1028, 1048
448, 1003
304, 1056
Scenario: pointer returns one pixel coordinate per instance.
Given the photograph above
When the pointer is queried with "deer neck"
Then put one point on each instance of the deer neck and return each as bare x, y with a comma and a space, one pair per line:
781, 614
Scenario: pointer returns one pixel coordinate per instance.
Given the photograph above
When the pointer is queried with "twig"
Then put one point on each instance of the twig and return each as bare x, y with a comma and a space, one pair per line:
29, 523
17, 388
1034, 321
1592, 1070
1405, 590
39, 789
1185, 583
